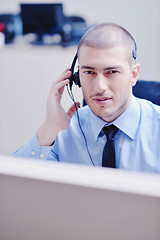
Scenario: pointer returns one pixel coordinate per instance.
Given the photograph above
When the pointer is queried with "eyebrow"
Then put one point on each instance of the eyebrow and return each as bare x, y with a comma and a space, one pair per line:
105, 69
87, 67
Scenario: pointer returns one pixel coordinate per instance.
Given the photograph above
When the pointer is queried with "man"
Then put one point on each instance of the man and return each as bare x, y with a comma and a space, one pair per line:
107, 73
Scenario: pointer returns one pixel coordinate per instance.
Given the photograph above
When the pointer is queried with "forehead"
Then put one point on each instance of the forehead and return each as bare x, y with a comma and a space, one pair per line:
95, 57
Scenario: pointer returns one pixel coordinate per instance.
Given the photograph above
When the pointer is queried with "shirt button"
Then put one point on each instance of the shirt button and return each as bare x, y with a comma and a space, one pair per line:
41, 155
33, 153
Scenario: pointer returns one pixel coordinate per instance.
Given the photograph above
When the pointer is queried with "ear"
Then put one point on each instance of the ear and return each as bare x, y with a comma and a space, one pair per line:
135, 70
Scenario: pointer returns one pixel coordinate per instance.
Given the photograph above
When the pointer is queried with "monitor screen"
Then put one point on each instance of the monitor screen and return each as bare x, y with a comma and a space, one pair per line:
42, 18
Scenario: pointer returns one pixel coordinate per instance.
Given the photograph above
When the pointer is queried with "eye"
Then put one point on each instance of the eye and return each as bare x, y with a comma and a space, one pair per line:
89, 72
112, 72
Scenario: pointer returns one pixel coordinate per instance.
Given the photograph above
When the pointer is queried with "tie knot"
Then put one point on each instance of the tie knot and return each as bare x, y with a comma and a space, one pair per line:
110, 131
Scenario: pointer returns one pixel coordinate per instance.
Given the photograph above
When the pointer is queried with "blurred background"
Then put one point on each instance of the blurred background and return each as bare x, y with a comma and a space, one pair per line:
37, 42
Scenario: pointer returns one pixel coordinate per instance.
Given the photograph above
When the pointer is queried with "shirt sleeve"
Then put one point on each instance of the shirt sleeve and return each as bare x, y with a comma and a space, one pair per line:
32, 149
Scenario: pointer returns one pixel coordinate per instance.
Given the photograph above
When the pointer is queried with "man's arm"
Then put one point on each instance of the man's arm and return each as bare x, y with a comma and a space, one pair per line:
56, 117
56, 120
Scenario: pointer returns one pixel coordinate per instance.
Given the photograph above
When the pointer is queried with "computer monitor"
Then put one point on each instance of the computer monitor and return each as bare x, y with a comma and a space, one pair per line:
47, 200
41, 19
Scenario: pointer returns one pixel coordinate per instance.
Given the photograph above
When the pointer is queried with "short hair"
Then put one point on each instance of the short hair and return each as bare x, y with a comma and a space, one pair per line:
109, 35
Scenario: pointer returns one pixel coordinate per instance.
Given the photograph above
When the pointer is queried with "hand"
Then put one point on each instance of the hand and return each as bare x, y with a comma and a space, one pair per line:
56, 117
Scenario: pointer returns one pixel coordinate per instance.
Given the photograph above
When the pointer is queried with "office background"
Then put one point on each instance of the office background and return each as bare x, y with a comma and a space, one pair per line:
27, 71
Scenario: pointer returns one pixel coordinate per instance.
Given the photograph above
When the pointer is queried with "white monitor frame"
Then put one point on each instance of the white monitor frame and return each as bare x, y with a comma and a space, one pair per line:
46, 200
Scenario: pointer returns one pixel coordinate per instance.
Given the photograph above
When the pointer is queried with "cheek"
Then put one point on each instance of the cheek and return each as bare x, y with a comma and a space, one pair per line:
123, 84
86, 90
123, 91
86, 86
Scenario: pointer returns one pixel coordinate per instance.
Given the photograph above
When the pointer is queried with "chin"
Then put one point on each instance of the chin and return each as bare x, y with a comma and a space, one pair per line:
102, 113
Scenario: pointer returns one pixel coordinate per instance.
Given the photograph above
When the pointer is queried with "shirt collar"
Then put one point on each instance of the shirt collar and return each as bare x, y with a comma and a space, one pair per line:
96, 125
124, 122
128, 121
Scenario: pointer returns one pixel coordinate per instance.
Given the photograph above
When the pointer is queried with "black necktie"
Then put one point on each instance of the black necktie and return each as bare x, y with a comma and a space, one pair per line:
109, 151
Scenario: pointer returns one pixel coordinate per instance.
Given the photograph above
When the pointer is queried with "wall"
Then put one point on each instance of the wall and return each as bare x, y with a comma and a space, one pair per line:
141, 18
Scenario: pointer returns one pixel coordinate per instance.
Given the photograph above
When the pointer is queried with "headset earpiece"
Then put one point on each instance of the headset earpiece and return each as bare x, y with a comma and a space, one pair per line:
134, 53
74, 78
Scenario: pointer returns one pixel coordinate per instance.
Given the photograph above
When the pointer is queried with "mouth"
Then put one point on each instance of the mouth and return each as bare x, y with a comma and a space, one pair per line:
102, 100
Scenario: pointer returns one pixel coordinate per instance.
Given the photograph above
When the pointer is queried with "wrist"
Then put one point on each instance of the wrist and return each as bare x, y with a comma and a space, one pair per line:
46, 136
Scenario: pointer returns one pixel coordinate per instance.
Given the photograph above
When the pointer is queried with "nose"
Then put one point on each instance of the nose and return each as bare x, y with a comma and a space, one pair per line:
100, 82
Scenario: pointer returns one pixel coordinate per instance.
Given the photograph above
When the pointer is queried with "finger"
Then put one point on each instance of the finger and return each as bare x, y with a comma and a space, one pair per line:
62, 81
72, 110
66, 70
66, 74
61, 85
58, 86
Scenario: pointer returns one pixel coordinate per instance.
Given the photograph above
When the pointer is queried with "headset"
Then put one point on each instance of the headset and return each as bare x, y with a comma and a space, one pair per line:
74, 78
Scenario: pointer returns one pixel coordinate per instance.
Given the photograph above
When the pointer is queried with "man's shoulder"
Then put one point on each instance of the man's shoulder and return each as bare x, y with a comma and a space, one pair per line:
80, 122
83, 114
148, 109
81, 119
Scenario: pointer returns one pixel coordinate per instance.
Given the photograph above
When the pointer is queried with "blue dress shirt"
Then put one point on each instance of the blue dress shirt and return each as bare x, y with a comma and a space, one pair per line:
137, 144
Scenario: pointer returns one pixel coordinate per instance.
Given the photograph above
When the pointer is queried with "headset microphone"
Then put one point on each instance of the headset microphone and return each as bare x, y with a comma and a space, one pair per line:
74, 78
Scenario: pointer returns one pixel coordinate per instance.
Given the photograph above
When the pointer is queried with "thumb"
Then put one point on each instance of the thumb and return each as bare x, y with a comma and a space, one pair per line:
73, 109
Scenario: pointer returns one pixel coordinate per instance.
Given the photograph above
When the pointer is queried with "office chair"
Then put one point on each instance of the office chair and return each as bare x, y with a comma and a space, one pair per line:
149, 90
74, 28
